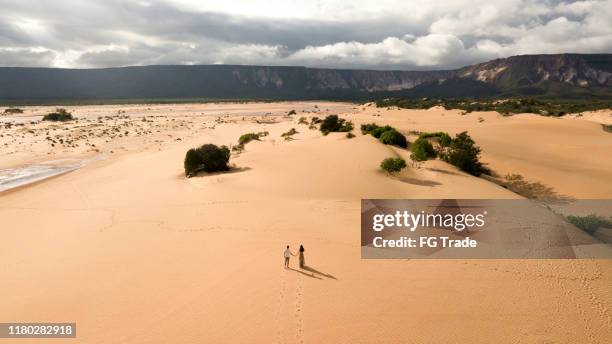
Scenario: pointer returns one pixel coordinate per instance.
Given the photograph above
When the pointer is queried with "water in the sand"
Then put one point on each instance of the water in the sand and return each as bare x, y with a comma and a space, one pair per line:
23, 175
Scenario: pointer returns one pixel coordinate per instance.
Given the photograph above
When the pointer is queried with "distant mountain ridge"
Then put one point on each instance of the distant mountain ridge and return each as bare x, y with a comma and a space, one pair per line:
578, 75
542, 71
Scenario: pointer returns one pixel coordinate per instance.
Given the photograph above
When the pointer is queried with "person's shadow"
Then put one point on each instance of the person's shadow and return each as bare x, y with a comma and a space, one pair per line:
315, 271
305, 274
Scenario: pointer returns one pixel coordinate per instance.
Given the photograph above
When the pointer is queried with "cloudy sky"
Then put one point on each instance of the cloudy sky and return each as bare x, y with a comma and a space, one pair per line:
380, 34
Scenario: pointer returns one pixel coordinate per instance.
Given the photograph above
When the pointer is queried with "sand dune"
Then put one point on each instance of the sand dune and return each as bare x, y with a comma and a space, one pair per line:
134, 252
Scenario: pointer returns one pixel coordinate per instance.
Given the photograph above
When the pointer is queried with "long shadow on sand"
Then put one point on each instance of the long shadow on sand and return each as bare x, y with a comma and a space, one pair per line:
312, 275
439, 170
315, 271
419, 182
231, 171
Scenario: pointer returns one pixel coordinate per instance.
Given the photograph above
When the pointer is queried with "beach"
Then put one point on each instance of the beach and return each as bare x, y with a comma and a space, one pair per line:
134, 252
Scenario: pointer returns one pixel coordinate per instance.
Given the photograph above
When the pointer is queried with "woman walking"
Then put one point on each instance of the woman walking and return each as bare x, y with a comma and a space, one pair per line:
302, 262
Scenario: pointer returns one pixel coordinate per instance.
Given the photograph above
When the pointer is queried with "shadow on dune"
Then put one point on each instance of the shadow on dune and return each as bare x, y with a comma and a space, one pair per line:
231, 171
315, 271
419, 182
532, 189
433, 169
305, 274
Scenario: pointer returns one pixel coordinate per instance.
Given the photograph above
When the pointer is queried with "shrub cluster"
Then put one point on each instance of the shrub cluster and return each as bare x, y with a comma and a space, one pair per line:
393, 137
288, 135
443, 138
463, 153
367, 128
387, 134
333, 123
557, 107
60, 115
422, 150
208, 158
246, 138
392, 165
13, 110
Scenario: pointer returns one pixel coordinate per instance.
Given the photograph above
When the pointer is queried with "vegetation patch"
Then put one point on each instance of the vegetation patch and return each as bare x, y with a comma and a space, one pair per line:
422, 150
208, 158
607, 127
288, 135
334, 124
377, 132
387, 134
246, 138
463, 153
314, 122
443, 138
60, 115
532, 190
589, 223
12, 110
350, 135
393, 165
394, 137
367, 128
303, 120
503, 106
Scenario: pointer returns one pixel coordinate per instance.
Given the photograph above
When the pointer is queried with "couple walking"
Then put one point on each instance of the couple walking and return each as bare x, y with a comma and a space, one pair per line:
288, 255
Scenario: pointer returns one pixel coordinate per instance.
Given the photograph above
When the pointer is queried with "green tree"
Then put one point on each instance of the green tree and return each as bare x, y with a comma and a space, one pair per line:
463, 153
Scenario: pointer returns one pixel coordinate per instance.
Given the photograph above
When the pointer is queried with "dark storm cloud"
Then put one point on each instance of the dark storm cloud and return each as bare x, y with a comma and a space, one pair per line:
117, 33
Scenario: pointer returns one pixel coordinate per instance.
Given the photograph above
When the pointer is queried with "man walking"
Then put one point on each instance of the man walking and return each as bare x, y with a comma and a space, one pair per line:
288, 255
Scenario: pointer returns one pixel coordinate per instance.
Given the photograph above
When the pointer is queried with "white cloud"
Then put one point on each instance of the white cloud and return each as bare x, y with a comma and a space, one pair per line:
387, 34
26, 57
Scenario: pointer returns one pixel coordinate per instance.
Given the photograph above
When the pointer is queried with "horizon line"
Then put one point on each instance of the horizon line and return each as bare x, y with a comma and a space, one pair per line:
298, 66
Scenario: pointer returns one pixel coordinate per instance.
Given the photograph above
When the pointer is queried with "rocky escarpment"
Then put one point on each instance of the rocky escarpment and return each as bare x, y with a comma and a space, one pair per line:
532, 70
561, 74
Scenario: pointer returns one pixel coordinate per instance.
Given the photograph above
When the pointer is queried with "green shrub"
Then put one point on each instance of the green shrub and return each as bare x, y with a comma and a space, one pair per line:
589, 223
333, 123
302, 120
350, 135
443, 138
288, 135
13, 110
208, 158
394, 137
347, 127
463, 153
422, 150
367, 128
392, 165
246, 138
377, 132
290, 113
60, 115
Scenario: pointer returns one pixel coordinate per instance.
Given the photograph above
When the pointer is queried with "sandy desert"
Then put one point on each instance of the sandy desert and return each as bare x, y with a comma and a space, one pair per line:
134, 252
